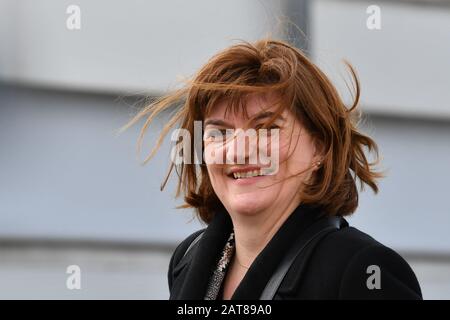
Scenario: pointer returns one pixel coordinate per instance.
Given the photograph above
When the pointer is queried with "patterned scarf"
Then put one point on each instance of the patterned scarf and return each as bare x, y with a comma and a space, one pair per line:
215, 282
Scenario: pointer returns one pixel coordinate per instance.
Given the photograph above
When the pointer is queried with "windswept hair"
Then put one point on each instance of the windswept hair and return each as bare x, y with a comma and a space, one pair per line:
274, 66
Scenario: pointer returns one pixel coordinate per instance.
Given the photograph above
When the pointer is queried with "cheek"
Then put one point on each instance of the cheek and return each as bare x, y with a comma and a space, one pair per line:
297, 156
212, 173
215, 176
287, 149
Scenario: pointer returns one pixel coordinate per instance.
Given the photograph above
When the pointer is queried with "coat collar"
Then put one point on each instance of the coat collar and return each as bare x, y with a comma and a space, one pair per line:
210, 246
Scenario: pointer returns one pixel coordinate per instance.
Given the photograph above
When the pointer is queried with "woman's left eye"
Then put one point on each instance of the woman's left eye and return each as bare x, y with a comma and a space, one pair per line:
273, 126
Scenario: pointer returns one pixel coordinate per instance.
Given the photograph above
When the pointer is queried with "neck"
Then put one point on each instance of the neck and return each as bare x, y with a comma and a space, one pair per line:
253, 232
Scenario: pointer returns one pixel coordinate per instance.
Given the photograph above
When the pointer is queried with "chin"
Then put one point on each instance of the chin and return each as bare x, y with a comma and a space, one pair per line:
248, 204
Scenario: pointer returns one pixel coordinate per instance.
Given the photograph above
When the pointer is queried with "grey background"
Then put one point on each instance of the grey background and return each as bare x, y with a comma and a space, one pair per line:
74, 192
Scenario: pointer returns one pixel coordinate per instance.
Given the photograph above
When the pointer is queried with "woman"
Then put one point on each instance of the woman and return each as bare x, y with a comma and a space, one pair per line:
274, 221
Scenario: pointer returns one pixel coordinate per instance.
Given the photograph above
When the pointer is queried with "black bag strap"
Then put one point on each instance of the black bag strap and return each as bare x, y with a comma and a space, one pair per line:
197, 239
316, 232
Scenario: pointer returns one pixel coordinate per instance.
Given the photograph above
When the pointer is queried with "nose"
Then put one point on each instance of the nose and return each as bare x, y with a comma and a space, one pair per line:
242, 147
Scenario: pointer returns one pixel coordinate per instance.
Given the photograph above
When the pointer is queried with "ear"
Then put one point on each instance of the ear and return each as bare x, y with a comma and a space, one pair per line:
318, 152
318, 149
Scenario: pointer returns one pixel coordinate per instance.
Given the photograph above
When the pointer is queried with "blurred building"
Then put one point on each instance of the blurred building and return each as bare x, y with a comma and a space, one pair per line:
72, 192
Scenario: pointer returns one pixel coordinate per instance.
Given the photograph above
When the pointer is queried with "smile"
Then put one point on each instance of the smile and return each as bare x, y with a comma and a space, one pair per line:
245, 173
248, 174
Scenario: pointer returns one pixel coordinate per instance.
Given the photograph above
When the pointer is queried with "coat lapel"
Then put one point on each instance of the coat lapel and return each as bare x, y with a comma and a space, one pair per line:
206, 256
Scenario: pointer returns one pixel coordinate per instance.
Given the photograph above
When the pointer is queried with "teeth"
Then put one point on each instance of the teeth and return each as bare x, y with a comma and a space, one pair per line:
248, 174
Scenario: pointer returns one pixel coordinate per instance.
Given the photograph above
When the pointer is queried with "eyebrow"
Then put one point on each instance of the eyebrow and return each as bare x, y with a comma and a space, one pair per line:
267, 114
217, 122
262, 115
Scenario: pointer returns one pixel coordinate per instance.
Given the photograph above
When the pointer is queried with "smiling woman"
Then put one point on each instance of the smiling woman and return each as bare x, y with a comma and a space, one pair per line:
274, 207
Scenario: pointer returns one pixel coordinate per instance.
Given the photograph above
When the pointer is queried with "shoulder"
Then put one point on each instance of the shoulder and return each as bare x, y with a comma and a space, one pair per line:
345, 243
181, 248
349, 264
179, 252
372, 269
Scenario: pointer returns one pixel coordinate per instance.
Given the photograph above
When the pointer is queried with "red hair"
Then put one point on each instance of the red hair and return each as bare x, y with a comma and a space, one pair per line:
273, 66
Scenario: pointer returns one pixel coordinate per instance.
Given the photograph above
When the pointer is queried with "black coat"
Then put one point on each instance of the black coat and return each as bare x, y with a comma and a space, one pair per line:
335, 268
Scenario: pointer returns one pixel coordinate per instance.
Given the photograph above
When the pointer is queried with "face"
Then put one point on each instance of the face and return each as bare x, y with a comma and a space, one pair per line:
254, 185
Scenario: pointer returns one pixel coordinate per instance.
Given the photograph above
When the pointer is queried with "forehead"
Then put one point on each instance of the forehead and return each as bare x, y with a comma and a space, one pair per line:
250, 106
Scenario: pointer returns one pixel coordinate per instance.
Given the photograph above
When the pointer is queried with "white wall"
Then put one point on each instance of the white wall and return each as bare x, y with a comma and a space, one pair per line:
404, 67
135, 45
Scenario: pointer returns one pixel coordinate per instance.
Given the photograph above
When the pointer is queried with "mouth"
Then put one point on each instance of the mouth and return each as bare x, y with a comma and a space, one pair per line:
248, 173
